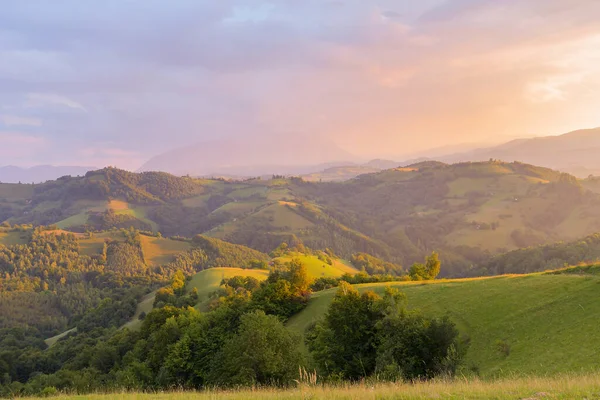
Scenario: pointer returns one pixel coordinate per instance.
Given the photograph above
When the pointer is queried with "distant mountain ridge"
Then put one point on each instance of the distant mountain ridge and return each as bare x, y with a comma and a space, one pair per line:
39, 173
477, 209
574, 152
251, 157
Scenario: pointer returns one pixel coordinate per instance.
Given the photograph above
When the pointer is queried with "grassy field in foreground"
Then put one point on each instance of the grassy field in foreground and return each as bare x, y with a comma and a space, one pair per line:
527, 325
565, 387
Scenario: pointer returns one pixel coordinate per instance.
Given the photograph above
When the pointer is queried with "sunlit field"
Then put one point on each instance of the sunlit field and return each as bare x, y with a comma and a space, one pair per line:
564, 387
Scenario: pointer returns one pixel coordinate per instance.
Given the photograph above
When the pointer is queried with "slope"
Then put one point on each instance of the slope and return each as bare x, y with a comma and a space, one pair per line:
573, 152
269, 155
468, 212
534, 324
318, 268
208, 281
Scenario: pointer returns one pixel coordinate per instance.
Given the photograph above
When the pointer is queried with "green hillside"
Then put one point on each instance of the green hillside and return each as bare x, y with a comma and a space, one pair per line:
144, 306
468, 212
10, 238
536, 324
339, 174
319, 268
208, 281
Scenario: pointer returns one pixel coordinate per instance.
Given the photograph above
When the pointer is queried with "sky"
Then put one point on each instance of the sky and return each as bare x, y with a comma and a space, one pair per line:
115, 82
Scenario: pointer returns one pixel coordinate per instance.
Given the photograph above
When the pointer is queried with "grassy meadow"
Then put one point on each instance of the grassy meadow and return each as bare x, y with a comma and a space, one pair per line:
12, 238
145, 305
530, 388
538, 324
317, 268
209, 280
159, 251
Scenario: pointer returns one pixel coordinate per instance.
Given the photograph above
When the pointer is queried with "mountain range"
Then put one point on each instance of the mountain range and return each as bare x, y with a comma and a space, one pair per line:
319, 160
574, 152
251, 157
466, 211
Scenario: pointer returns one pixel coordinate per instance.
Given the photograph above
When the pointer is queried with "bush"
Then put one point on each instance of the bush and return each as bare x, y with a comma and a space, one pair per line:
49, 391
262, 352
366, 335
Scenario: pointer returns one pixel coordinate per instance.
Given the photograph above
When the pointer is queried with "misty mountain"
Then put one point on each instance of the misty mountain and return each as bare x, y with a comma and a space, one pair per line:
382, 164
39, 173
575, 152
251, 157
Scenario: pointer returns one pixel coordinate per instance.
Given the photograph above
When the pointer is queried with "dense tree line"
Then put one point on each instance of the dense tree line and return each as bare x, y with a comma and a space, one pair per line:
139, 188
48, 284
396, 216
364, 335
544, 257
375, 266
241, 341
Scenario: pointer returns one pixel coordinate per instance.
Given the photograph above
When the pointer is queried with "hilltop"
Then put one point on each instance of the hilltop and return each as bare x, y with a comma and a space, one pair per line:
537, 324
95, 297
574, 152
50, 277
467, 211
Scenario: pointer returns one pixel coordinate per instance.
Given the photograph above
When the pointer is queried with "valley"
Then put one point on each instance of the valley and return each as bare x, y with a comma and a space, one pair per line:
107, 256
467, 212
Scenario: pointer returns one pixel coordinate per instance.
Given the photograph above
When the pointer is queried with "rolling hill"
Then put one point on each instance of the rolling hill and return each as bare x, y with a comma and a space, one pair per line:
467, 211
295, 154
50, 277
574, 152
538, 324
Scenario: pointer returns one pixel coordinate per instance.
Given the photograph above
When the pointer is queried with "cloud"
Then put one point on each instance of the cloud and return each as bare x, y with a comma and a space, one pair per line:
15, 120
379, 77
20, 148
18, 138
40, 100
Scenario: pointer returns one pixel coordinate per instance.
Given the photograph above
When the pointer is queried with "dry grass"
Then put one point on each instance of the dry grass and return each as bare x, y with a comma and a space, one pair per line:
562, 387
159, 251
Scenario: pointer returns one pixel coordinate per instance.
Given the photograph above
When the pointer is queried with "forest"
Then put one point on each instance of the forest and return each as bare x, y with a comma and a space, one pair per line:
240, 340
80, 278
468, 212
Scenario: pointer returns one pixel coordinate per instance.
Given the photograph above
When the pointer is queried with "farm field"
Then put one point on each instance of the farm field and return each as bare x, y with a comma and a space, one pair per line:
124, 208
12, 238
159, 251
93, 245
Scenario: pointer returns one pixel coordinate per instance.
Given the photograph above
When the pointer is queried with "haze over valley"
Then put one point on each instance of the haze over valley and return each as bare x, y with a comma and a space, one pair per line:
332, 199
